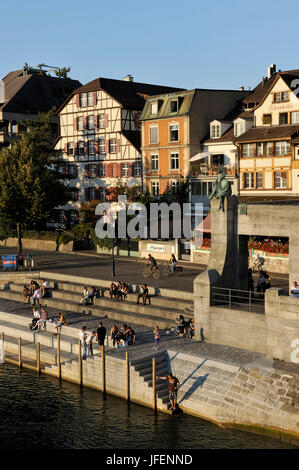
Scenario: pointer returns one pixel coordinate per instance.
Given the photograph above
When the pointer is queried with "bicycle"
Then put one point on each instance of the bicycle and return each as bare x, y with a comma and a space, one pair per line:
168, 272
151, 271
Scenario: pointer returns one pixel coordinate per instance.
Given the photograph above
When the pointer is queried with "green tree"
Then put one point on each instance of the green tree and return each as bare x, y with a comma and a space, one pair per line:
30, 184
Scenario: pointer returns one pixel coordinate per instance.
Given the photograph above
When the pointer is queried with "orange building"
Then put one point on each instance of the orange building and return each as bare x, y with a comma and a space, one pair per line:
172, 127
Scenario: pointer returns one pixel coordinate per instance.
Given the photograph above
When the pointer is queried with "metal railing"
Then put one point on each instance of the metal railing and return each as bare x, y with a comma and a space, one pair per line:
238, 299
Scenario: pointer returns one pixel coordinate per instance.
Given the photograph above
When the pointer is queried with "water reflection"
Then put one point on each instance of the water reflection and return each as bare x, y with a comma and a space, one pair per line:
38, 412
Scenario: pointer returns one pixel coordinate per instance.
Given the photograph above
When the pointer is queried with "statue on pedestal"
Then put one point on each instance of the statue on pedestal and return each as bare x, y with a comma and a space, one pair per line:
221, 189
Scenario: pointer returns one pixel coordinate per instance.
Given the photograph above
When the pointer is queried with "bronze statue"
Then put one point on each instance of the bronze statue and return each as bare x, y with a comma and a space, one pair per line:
221, 189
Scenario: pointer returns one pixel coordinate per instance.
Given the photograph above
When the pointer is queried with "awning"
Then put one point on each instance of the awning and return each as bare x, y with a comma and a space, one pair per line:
199, 156
205, 224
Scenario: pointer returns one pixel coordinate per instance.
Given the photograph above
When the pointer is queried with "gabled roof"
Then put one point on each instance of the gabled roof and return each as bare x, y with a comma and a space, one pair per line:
34, 93
131, 95
268, 133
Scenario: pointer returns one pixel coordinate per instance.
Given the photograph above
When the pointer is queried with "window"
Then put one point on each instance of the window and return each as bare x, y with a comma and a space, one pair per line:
101, 121
153, 134
218, 159
155, 188
102, 170
154, 108
112, 145
81, 148
295, 117
174, 161
137, 168
283, 118
92, 194
174, 185
73, 170
154, 162
248, 180
91, 148
174, 132
102, 146
280, 179
80, 123
14, 127
173, 106
281, 96
238, 129
264, 149
90, 99
83, 99
125, 169
267, 118
70, 149
215, 132
259, 180
247, 150
282, 148
90, 122
92, 171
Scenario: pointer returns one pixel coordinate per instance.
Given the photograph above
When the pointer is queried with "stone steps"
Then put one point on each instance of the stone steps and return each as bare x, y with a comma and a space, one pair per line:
100, 311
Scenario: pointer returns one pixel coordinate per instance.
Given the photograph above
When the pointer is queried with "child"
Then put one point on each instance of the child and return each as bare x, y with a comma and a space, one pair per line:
157, 336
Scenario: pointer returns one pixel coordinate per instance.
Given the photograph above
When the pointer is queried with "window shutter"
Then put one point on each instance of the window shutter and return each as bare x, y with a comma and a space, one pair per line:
119, 169
65, 148
75, 148
106, 120
118, 145
96, 146
107, 146
95, 121
131, 169
94, 97
78, 100
75, 124
85, 122
86, 148
110, 169
87, 172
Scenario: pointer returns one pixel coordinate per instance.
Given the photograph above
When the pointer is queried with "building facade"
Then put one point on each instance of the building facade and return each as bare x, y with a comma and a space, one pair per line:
100, 139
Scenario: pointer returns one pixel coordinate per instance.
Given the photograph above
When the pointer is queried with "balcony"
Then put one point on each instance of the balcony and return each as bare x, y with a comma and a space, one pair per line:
212, 170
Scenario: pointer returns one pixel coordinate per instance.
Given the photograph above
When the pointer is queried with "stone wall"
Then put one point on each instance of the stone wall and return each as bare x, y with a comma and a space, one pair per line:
35, 244
262, 396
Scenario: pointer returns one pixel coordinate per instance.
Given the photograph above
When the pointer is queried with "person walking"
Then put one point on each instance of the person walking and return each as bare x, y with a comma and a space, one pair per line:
157, 336
101, 334
83, 339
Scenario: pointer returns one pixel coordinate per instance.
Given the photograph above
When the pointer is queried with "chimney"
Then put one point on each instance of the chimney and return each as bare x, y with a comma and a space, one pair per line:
271, 70
128, 78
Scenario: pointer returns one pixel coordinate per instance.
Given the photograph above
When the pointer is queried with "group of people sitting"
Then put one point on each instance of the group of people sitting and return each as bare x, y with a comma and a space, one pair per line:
125, 336
88, 296
184, 327
40, 318
36, 291
119, 291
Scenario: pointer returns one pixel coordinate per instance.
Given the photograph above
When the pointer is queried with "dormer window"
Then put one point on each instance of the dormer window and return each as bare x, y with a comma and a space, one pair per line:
154, 108
174, 106
215, 131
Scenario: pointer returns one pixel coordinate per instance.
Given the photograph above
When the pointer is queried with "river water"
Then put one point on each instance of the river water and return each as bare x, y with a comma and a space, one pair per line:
38, 412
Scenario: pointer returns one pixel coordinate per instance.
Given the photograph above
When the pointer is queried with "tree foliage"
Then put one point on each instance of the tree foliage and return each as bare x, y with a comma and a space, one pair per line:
30, 185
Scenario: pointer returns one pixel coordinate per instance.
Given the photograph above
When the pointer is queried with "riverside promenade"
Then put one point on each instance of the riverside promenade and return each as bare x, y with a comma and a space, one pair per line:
229, 386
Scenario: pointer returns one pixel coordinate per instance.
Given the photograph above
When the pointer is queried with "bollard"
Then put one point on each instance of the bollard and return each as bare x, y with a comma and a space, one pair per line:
58, 358
2, 351
80, 362
20, 353
103, 370
154, 385
128, 377
38, 358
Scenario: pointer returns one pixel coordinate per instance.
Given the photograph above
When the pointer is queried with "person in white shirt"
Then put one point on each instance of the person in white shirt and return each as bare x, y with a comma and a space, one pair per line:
37, 295
45, 287
83, 338
85, 296
89, 343
295, 289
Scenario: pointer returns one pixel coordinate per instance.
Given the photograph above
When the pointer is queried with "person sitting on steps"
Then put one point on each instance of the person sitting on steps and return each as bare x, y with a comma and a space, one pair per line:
144, 295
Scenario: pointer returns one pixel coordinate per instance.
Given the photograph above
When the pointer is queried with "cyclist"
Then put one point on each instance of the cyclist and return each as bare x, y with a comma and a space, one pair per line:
152, 262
